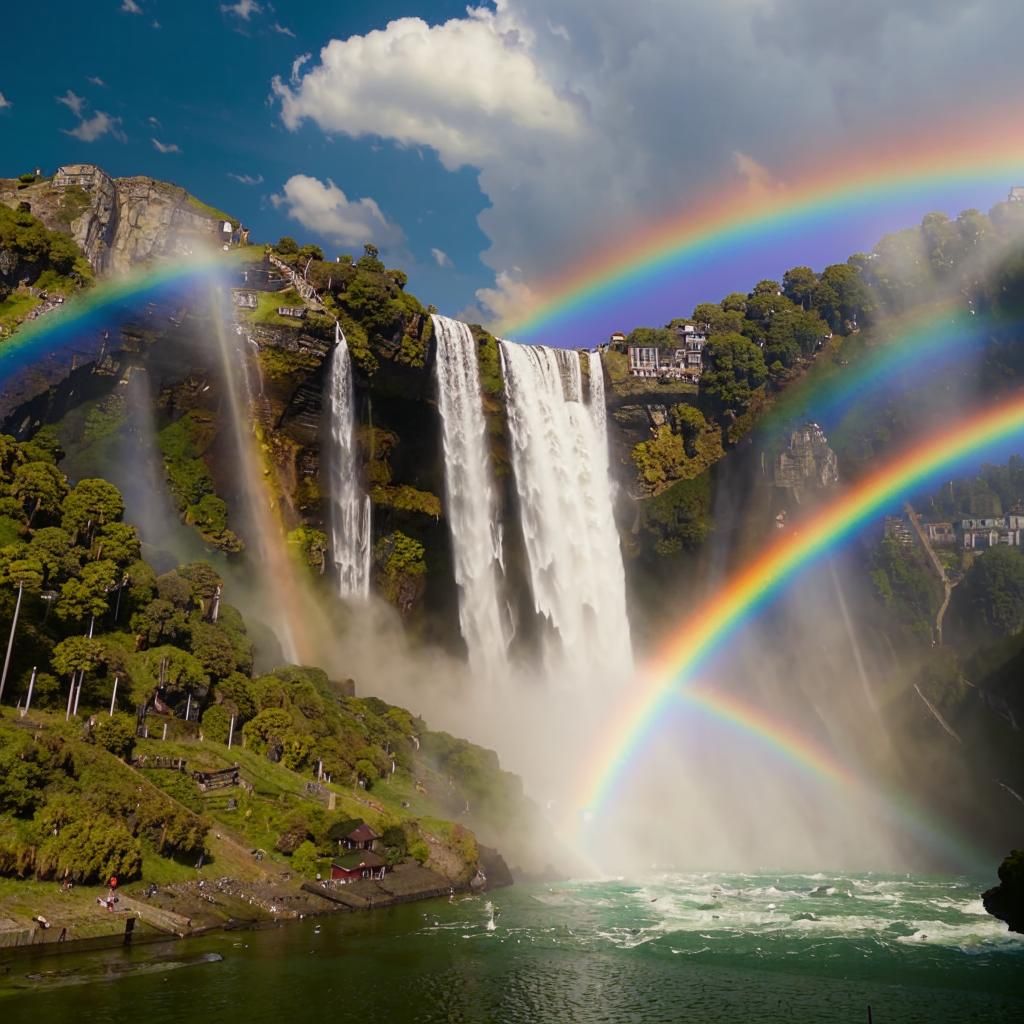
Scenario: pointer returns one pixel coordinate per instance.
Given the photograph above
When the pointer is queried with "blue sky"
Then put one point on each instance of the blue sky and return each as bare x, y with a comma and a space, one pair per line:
485, 149
205, 75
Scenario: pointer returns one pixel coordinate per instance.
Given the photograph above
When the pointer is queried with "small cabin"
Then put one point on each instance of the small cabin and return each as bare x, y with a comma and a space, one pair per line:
358, 864
218, 779
296, 312
362, 837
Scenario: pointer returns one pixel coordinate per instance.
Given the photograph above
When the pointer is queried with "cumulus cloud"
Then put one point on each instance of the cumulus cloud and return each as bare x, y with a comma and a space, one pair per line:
616, 113
165, 147
92, 128
325, 210
460, 87
5, 103
441, 258
130, 7
74, 103
243, 9
247, 179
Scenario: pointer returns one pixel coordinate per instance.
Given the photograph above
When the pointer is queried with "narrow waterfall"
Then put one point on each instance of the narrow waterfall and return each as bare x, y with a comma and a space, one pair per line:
560, 457
471, 505
350, 508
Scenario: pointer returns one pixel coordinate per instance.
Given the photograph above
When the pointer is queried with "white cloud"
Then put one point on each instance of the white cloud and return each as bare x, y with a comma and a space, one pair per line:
74, 103
247, 179
585, 119
297, 66
92, 128
131, 7
243, 9
5, 103
153, 121
282, 30
468, 88
441, 258
168, 147
97, 81
329, 213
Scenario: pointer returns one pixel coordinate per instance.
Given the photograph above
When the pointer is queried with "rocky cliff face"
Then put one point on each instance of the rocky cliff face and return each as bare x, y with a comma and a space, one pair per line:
118, 222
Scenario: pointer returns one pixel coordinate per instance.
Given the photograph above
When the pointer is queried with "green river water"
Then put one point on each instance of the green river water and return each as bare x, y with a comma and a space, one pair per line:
684, 947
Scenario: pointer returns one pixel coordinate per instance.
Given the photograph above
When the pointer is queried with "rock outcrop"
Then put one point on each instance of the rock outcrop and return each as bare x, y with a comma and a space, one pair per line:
120, 222
1006, 900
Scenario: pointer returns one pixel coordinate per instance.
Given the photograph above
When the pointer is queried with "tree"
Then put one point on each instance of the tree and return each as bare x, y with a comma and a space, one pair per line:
174, 588
77, 654
734, 370
305, 860
766, 287
718, 320
175, 670
370, 260
654, 337
310, 252
991, 597
18, 567
217, 723
159, 621
91, 504
202, 578
267, 731
115, 734
88, 594
287, 246
52, 547
799, 285
843, 297
119, 543
40, 487
213, 649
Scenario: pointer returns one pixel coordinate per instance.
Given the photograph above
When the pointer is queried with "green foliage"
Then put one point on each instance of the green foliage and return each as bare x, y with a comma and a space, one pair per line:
735, 369
312, 545
115, 734
92, 503
654, 337
906, 585
406, 499
305, 860
400, 568
990, 600
679, 519
217, 723
287, 246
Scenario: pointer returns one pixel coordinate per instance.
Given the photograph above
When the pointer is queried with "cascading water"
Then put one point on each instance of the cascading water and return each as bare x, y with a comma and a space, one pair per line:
350, 511
560, 456
471, 506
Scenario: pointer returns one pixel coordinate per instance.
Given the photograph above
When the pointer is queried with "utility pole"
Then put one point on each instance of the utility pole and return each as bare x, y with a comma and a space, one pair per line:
10, 640
31, 683
113, 696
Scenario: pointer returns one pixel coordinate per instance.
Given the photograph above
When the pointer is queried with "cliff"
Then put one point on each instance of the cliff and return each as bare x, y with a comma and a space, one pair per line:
119, 222
1006, 900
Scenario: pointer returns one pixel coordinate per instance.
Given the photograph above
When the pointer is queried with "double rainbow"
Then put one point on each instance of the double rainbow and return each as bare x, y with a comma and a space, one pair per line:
672, 671
981, 155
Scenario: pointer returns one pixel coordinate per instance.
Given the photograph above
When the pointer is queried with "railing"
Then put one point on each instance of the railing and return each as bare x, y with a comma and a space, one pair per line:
299, 283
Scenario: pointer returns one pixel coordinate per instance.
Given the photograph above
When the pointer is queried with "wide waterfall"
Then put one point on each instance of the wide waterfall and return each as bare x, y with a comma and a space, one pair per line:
350, 506
471, 505
560, 456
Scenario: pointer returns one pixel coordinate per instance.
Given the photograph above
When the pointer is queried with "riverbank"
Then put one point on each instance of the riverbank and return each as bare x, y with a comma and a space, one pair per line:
39, 918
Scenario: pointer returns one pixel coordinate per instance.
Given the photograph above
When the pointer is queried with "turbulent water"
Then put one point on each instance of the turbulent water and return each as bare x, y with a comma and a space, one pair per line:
350, 507
471, 505
691, 948
561, 466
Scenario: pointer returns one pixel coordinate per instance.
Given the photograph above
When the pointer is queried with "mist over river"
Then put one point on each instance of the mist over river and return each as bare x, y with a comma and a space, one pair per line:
695, 947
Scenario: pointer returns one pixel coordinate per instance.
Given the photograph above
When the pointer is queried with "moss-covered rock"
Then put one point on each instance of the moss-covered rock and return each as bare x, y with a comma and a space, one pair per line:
400, 570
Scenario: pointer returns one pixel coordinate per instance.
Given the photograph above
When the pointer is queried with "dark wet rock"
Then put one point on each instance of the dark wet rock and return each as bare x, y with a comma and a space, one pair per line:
1006, 900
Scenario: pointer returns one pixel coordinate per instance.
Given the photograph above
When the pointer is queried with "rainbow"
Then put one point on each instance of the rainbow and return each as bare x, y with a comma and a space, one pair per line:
98, 306
977, 153
797, 749
675, 665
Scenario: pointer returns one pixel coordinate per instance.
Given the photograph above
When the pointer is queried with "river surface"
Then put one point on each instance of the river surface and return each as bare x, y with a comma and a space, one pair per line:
683, 947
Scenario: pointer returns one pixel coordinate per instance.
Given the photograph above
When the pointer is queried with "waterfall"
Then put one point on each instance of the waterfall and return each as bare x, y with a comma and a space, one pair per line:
560, 457
350, 511
471, 504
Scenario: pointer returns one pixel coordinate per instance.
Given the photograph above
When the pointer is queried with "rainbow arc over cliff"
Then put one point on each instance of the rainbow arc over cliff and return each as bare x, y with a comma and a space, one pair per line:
98, 307
981, 152
672, 672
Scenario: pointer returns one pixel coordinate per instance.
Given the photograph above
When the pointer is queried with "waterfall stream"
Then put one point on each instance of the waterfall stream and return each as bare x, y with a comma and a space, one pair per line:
471, 503
560, 456
350, 507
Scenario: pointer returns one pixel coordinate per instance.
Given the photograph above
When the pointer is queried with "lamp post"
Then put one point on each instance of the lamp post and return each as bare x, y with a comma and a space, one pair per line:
10, 640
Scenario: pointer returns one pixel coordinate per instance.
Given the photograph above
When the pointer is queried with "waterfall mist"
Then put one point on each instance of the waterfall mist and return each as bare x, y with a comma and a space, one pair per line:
351, 528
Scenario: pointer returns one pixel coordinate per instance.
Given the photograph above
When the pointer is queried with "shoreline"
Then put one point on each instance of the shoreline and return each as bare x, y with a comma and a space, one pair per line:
202, 907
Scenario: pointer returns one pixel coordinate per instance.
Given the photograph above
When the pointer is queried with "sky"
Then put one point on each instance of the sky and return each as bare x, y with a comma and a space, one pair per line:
486, 148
